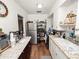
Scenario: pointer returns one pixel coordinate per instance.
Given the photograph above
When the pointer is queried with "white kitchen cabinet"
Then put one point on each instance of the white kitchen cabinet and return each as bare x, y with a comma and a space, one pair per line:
50, 47
60, 54
56, 53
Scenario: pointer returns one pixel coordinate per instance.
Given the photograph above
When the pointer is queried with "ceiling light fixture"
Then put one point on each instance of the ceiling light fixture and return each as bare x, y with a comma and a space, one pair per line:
39, 5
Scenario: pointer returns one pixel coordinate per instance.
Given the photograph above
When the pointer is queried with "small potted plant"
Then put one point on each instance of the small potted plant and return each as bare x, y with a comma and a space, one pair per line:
1, 33
0, 29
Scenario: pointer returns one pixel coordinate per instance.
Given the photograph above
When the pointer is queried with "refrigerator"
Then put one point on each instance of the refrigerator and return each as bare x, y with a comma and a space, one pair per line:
32, 31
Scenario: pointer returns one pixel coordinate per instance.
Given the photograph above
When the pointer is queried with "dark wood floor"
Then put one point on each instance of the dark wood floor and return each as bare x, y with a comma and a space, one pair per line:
40, 52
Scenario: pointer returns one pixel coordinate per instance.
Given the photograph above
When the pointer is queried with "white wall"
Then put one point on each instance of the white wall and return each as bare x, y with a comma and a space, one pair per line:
35, 17
56, 5
77, 21
55, 12
10, 23
60, 11
64, 10
50, 17
49, 21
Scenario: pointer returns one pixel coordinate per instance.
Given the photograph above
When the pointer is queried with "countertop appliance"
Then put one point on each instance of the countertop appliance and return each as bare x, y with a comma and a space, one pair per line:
4, 43
32, 31
15, 35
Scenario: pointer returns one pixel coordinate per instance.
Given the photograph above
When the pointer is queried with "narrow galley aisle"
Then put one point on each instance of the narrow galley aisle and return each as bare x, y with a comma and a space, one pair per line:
40, 52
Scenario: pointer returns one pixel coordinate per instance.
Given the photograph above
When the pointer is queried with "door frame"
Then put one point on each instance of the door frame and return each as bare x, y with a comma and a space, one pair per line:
20, 25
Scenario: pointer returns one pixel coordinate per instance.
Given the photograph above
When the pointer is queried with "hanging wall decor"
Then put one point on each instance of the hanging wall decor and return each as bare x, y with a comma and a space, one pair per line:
70, 18
3, 9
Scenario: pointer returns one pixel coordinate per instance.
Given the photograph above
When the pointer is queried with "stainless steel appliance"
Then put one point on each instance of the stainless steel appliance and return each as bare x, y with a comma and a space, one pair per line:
15, 35
32, 31
4, 43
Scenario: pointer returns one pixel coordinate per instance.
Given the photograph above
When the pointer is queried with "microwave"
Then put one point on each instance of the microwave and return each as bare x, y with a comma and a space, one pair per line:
4, 43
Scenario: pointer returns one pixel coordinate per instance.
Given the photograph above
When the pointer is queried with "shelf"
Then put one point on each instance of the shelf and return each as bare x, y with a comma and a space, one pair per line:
67, 25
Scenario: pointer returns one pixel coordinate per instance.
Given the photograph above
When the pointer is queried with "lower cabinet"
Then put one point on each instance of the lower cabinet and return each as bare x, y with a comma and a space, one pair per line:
50, 48
60, 54
56, 53
26, 52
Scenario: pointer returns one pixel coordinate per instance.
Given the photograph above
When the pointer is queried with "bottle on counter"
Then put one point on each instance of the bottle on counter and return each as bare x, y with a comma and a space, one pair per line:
12, 39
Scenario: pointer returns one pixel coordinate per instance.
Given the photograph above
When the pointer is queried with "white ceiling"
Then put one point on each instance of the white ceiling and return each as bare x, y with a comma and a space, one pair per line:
31, 5
69, 2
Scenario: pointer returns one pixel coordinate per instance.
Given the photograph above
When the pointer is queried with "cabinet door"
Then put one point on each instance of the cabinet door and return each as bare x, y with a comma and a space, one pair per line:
51, 48
50, 45
56, 53
60, 54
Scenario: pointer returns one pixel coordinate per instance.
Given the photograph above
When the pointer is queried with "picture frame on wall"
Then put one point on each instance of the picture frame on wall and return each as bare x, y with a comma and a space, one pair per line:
3, 9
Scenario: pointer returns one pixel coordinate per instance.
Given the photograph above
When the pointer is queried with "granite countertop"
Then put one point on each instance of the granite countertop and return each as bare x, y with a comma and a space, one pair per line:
14, 52
70, 49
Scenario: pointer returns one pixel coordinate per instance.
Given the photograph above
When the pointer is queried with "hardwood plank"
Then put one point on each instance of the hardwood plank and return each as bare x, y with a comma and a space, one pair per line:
39, 51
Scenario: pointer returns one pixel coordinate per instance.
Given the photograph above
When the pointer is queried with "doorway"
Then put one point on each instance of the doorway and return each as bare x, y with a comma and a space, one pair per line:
20, 25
